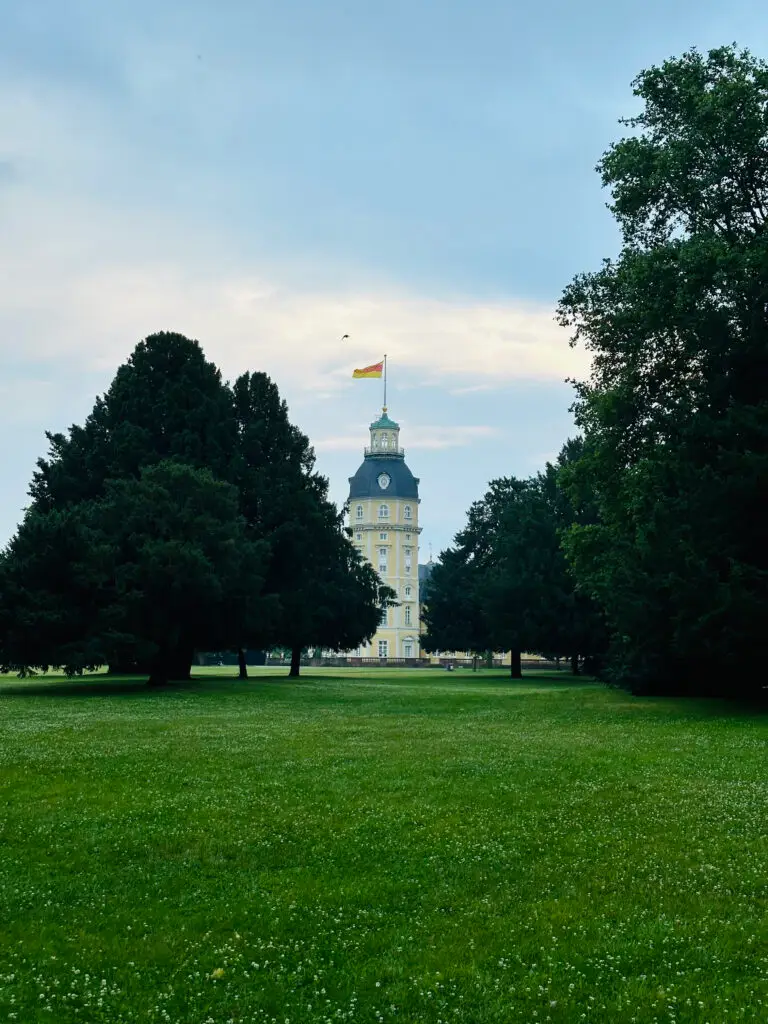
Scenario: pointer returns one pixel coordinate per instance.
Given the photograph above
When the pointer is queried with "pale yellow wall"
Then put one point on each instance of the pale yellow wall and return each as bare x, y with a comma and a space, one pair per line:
401, 534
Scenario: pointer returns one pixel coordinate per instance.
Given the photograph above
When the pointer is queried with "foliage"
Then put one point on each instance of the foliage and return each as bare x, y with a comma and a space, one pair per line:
322, 594
676, 409
460, 848
157, 566
505, 584
185, 513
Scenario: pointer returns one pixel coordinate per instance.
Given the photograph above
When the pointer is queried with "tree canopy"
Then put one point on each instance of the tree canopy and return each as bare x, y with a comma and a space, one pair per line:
505, 584
675, 411
184, 514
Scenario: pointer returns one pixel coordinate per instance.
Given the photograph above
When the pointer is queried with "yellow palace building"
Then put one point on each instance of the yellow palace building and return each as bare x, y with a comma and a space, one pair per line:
384, 520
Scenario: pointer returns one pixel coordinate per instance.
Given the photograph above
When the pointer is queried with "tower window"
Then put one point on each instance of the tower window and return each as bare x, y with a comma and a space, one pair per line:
359, 512
407, 615
407, 591
383, 511
407, 512
385, 440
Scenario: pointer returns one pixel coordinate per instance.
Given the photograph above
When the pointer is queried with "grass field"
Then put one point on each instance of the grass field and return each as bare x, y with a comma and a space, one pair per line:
388, 847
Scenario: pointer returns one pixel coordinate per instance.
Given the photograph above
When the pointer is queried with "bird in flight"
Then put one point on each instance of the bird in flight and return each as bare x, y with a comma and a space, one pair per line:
344, 336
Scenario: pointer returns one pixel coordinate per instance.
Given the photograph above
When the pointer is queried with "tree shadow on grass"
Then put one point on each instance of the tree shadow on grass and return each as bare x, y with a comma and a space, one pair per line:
126, 686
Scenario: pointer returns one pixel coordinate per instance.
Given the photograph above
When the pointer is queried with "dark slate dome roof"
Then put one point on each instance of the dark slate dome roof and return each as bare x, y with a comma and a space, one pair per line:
403, 484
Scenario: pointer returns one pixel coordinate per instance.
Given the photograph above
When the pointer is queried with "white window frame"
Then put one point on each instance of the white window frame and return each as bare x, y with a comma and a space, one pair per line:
407, 512
407, 620
383, 648
359, 512
408, 591
383, 511
408, 649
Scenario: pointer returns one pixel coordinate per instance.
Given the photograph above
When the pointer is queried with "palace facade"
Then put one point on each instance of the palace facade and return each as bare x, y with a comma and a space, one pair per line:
384, 520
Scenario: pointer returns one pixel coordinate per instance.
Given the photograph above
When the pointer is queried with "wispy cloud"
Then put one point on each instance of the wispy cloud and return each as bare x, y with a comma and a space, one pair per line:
82, 296
86, 278
419, 437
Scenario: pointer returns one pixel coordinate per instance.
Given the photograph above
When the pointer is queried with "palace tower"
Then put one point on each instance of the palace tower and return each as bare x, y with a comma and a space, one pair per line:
384, 518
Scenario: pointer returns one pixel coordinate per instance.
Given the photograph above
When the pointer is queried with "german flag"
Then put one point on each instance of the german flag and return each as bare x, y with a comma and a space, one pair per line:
376, 370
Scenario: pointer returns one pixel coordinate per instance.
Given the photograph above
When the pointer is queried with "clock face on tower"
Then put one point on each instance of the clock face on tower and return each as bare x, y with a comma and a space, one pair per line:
383, 481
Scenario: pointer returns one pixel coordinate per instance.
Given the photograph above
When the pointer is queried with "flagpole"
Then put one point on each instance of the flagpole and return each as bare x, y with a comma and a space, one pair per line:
385, 382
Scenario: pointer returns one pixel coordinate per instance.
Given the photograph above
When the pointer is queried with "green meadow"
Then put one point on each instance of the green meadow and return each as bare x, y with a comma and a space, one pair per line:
379, 847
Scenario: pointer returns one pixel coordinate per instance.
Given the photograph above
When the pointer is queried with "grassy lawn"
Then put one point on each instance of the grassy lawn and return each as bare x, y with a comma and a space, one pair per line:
380, 847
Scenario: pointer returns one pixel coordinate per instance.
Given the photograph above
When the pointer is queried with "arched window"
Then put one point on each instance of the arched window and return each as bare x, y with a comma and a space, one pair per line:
407, 591
359, 512
383, 511
407, 514
385, 440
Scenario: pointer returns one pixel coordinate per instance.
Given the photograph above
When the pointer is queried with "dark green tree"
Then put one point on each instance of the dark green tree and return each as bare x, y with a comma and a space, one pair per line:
166, 402
506, 584
154, 568
318, 593
675, 412
78, 590
452, 603
337, 598
472, 602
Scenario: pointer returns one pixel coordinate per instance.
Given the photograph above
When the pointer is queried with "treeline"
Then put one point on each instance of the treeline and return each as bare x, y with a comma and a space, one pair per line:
186, 514
644, 549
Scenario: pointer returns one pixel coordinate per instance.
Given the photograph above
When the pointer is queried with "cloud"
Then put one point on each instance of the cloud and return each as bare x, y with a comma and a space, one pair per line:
89, 277
86, 283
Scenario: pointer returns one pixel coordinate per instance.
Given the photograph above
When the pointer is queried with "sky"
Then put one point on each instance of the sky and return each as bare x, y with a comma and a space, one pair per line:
267, 177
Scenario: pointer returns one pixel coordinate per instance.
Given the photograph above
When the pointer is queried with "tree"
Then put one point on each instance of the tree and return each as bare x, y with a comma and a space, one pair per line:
675, 412
506, 584
330, 597
451, 602
231, 541
319, 592
154, 568
166, 402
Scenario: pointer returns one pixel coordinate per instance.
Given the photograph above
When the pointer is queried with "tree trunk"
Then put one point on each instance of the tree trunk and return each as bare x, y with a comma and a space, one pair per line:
171, 665
242, 665
474, 663
515, 665
575, 664
295, 663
